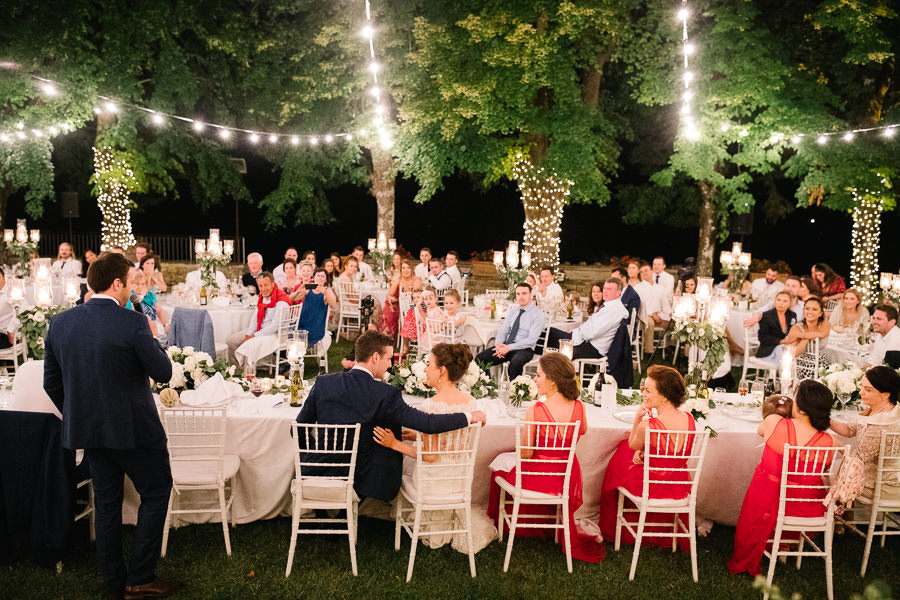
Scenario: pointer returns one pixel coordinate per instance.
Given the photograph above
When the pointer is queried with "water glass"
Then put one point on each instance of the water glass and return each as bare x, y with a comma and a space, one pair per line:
758, 392
743, 388
719, 395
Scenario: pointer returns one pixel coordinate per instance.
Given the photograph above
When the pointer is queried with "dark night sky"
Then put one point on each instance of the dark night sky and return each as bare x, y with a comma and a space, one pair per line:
466, 220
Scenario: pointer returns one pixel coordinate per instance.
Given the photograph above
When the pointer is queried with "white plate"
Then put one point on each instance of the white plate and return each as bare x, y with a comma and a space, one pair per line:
751, 414
626, 415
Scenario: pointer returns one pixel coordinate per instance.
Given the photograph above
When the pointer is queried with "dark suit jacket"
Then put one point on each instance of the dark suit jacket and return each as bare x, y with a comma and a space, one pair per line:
355, 397
630, 299
619, 363
248, 280
98, 358
770, 333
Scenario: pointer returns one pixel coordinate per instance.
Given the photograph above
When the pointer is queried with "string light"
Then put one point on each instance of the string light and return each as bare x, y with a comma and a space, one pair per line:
544, 197
691, 132
115, 182
865, 239
384, 136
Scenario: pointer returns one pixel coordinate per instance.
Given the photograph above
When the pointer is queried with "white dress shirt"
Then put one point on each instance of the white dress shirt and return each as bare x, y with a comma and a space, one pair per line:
365, 271
8, 320
763, 291
666, 283
269, 325
552, 295
654, 300
422, 271
193, 280
66, 268
601, 327
883, 343
278, 273
454, 274
441, 281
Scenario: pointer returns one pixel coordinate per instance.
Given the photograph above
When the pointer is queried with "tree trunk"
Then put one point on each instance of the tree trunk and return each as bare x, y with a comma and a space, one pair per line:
544, 198
708, 229
382, 179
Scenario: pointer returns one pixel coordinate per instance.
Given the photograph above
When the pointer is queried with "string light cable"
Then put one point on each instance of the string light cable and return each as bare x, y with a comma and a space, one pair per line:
691, 131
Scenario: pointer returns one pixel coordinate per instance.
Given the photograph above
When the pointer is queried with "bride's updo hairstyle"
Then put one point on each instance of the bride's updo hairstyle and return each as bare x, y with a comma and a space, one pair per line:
453, 357
559, 369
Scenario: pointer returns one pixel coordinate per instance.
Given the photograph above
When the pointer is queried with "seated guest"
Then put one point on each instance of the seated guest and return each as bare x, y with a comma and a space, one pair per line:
65, 265
309, 256
688, 286
593, 337
315, 308
807, 425
365, 271
438, 278
148, 265
338, 262
330, 272
359, 396
884, 324
630, 298
595, 302
89, 257
423, 268
548, 293
561, 403
404, 281
663, 392
792, 287
829, 285
350, 273
450, 261
634, 273
145, 298
520, 332
396, 260
774, 327
194, 281
255, 264
426, 309
452, 303
9, 323
140, 251
304, 276
850, 316
878, 390
272, 301
278, 272
656, 305
290, 282
409, 332
663, 278
765, 288
531, 279
807, 289
813, 325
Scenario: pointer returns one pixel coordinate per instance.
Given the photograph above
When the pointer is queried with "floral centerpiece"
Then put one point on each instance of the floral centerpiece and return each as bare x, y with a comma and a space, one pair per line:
477, 382
190, 368
209, 264
700, 408
843, 380
707, 337
33, 326
410, 377
522, 389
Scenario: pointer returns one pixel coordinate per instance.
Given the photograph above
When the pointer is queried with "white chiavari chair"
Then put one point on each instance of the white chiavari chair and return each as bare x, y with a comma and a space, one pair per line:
348, 299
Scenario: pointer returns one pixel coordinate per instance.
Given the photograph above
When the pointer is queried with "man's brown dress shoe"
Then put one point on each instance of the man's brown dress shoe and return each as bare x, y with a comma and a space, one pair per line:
158, 588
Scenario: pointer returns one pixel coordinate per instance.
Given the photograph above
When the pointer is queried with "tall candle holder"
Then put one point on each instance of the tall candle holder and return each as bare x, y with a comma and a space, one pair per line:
508, 266
381, 251
16, 293
735, 264
212, 254
700, 325
296, 350
890, 287
22, 243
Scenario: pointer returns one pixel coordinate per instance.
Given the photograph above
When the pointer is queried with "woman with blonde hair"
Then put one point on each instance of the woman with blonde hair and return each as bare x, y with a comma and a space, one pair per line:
849, 316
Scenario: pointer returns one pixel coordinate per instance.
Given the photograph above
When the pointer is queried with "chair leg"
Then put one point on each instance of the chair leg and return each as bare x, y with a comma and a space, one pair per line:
800, 549
224, 511
566, 535
168, 524
674, 531
469, 539
351, 535
619, 517
501, 513
92, 517
829, 539
773, 560
693, 527
415, 542
397, 509
884, 528
512, 533
637, 542
295, 523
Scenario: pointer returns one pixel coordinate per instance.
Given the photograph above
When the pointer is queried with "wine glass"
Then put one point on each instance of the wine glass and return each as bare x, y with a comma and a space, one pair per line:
743, 388
250, 371
643, 384
257, 389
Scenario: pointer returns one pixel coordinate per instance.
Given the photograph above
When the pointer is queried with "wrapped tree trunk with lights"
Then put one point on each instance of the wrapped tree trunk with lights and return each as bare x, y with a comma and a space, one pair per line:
866, 240
113, 183
544, 198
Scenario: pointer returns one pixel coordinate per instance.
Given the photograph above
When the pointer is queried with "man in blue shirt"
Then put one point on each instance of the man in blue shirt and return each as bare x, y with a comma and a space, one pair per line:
520, 332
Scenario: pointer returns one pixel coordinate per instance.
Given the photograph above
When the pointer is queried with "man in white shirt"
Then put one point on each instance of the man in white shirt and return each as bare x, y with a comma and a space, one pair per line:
423, 268
272, 301
663, 279
765, 288
438, 278
9, 324
593, 337
884, 323
792, 287
655, 305
278, 272
548, 291
451, 268
66, 265
365, 271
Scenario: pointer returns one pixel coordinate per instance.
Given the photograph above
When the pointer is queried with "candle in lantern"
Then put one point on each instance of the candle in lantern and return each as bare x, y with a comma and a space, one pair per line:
566, 348
513, 246
498, 258
228, 246
213, 236
8, 235
42, 272
371, 244
293, 354
43, 297
736, 248
392, 244
21, 232
685, 307
35, 235
526, 258
16, 292
200, 247
704, 291
787, 361
726, 258
744, 259
72, 292
896, 283
512, 260
718, 311
885, 283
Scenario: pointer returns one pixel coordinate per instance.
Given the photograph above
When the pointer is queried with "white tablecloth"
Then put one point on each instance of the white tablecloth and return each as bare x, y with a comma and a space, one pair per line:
844, 348
225, 320
378, 293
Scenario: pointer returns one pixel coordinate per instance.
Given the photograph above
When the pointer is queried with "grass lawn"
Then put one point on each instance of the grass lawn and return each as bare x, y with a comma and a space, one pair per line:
322, 569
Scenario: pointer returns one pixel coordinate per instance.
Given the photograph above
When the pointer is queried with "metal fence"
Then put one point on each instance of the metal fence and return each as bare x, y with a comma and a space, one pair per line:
167, 247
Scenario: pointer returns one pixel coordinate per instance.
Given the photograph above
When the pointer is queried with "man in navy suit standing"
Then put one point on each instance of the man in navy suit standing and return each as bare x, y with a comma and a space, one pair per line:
98, 359
359, 396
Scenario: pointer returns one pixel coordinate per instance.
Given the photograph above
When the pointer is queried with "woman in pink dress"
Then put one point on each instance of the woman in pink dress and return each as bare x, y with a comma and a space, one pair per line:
663, 392
404, 281
556, 381
806, 427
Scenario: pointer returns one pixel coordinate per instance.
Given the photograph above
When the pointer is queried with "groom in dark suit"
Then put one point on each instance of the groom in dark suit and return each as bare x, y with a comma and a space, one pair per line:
98, 358
359, 396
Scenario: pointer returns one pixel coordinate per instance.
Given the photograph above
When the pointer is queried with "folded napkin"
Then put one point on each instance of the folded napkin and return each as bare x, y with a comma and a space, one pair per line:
504, 462
215, 391
222, 301
493, 408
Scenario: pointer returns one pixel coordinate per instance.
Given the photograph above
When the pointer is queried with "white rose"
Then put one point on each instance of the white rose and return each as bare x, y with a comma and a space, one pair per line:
172, 350
188, 350
196, 374
404, 372
38, 317
189, 363
418, 368
409, 386
177, 380
473, 368
203, 356
231, 370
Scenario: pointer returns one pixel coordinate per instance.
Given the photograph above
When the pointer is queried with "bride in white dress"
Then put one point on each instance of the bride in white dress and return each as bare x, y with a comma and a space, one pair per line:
447, 363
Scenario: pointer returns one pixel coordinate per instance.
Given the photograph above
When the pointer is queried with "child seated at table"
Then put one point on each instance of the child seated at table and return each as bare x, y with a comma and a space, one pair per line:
452, 302
776, 404
147, 300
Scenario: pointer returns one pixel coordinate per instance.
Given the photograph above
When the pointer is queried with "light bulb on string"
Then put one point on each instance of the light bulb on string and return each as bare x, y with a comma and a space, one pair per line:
313, 141
367, 32
848, 137
225, 134
295, 140
198, 126
49, 89
822, 140
273, 139
329, 138
254, 138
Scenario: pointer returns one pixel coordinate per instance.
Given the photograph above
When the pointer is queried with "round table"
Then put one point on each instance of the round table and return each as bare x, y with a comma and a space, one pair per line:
846, 348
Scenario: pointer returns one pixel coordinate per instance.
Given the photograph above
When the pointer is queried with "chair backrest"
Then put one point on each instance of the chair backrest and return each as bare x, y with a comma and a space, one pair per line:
448, 477
544, 438
632, 319
676, 452
325, 447
751, 340
888, 460
348, 296
812, 464
288, 323
439, 331
832, 304
196, 435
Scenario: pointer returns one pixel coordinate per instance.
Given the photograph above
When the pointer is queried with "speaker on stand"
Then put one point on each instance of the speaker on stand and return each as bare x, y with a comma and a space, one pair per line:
742, 224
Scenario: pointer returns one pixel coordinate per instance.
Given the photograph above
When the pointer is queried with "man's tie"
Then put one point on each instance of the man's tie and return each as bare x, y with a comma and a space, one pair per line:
657, 279
511, 336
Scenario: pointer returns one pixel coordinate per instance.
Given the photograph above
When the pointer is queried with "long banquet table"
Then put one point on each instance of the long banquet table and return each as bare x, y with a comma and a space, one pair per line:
264, 444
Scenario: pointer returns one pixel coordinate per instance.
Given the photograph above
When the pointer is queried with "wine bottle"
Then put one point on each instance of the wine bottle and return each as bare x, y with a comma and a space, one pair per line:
493, 309
203, 299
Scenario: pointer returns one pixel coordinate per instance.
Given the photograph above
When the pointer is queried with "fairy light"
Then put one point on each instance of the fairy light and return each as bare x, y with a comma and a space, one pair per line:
865, 239
115, 182
544, 196
691, 132
157, 119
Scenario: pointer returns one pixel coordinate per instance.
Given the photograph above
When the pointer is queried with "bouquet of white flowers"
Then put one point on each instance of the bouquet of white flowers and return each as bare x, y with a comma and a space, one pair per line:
410, 377
477, 383
699, 408
191, 368
523, 389
843, 380
33, 325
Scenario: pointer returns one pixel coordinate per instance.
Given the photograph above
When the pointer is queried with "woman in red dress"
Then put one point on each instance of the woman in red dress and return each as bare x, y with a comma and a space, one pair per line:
556, 381
759, 512
404, 281
664, 392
